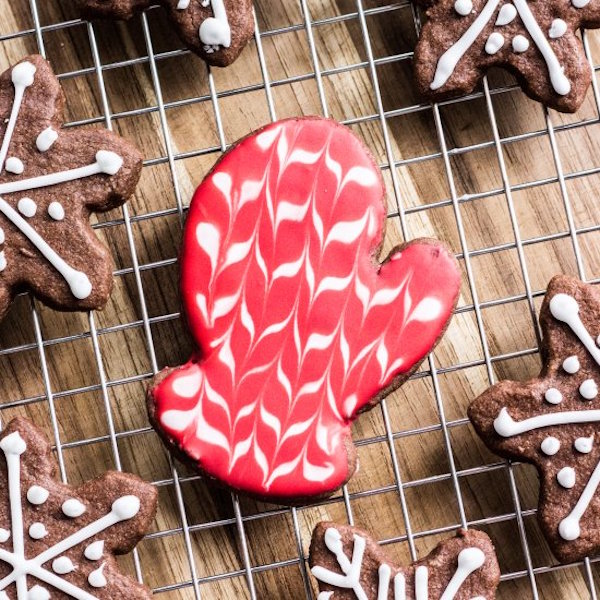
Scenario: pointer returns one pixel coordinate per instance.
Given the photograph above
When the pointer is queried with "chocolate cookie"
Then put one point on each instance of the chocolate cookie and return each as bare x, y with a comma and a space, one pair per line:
298, 326
349, 565
57, 541
552, 421
535, 40
51, 180
216, 30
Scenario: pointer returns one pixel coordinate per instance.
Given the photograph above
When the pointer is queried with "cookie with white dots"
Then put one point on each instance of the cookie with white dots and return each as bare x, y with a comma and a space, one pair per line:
51, 180
553, 421
58, 541
349, 565
216, 30
536, 41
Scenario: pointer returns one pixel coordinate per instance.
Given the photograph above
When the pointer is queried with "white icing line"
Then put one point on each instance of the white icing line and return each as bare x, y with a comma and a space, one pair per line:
384, 582
78, 281
108, 163
506, 426
566, 309
421, 583
13, 446
559, 81
449, 60
569, 528
22, 77
469, 560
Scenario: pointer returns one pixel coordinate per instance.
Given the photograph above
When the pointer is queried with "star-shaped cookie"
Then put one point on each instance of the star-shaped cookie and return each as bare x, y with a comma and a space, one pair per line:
553, 421
216, 30
51, 180
57, 541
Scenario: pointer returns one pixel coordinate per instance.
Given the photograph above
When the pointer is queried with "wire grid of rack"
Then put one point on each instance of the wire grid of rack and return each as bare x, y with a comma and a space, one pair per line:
188, 568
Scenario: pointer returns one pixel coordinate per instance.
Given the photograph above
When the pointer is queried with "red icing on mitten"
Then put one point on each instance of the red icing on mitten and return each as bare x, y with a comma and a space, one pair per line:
298, 328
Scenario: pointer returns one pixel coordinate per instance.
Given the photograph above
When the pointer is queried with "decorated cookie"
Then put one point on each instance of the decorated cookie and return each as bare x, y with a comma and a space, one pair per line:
50, 182
216, 30
535, 40
298, 327
57, 541
553, 421
349, 565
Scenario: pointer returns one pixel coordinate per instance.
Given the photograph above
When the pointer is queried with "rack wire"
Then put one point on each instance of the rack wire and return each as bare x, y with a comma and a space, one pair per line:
524, 576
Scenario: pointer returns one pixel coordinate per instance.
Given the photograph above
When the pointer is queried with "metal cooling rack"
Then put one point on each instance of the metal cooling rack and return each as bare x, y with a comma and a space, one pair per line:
380, 117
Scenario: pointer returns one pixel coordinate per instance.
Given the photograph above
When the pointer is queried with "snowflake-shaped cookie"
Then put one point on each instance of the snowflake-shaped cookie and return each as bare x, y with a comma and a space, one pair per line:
299, 328
535, 39
216, 30
553, 421
50, 182
58, 542
350, 565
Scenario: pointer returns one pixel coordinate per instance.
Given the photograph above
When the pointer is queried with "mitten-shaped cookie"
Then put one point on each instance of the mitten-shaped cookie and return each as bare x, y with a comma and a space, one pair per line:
298, 326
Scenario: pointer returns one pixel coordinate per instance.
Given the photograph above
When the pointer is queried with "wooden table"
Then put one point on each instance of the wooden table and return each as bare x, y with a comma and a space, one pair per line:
502, 181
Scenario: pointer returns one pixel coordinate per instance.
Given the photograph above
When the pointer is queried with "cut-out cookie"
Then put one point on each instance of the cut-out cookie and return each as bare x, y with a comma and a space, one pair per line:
553, 421
50, 182
216, 30
534, 39
57, 541
298, 327
350, 565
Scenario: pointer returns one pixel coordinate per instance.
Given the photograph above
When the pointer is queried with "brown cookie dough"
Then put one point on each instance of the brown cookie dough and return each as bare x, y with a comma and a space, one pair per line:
553, 421
57, 541
535, 40
350, 565
216, 30
51, 180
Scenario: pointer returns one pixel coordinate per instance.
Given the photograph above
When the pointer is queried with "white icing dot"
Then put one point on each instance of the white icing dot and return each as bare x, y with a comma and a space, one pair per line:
553, 396
557, 29
37, 592
62, 565
126, 507
520, 43
4, 535
566, 477
14, 165
494, 43
96, 578
463, 7
550, 446
584, 444
2, 261
37, 494
183, 4
73, 508
56, 211
23, 73
588, 389
580, 3
571, 364
2, 236
37, 531
27, 207
46, 139
95, 550
507, 13
109, 163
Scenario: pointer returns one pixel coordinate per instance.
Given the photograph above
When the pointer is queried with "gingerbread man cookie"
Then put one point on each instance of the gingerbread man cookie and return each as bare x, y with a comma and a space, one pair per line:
534, 39
51, 180
57, 541
298, 326
350, 565
552, 421
216, 30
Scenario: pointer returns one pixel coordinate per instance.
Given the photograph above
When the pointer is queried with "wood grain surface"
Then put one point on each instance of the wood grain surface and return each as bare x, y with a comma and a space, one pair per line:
521, 210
